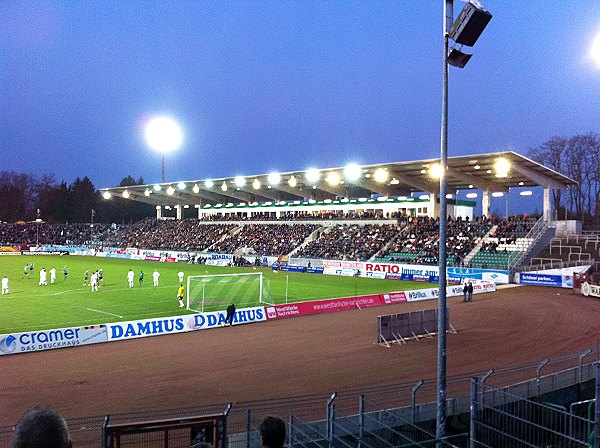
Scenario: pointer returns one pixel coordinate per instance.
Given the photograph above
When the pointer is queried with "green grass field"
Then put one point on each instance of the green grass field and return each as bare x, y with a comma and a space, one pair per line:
68, 302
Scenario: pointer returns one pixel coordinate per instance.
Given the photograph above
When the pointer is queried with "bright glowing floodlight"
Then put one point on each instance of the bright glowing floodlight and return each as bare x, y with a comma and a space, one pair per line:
333, 178
106, 195
181, 185
471, 195
313, 175
256, 184
126, 194
435, 171
352, 172
381, 175
147, 192
274, 178
163, 134
292, 182
157, 187
502, 166
209, 184
196, 189
240, 181
170, 190
497, 194
224, 186
595, 50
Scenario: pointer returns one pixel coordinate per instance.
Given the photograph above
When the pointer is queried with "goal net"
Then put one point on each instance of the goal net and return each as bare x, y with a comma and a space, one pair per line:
216, 292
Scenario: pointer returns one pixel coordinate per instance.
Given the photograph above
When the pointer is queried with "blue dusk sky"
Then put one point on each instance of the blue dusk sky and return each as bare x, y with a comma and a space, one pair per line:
261, 86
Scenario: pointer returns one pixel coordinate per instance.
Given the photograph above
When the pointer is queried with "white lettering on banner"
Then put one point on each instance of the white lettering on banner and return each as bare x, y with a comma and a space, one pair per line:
344, 264
345, 272
401, 269
146, 327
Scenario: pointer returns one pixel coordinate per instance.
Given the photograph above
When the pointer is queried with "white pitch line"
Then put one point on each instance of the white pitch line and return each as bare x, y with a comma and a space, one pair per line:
104, 312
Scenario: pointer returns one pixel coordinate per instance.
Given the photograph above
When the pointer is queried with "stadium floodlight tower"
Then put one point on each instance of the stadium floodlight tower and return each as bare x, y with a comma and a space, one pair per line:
163, 134
469, 25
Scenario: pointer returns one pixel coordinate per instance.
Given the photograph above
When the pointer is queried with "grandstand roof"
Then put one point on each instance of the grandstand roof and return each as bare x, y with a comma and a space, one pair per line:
402, 179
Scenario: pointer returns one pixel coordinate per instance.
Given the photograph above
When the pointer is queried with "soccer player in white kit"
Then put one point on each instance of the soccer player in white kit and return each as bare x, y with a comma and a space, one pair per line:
4, 285
43, 277
94, 281
130, 276
52, 275
180, 274
155, 276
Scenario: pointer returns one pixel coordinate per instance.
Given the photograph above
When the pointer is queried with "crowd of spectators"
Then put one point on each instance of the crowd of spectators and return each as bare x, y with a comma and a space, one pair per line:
266, 239
303, 216
420, 240
350, 242
184, 235
31, 234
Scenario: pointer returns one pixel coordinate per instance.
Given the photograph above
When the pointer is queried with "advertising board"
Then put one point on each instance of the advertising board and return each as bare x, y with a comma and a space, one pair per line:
534, 278
34, 341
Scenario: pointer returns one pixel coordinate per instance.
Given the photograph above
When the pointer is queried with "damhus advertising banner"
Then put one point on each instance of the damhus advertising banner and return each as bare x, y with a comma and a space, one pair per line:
49, 339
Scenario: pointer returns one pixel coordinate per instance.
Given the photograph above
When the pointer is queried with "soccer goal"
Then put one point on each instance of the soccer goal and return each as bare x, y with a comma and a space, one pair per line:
213, 292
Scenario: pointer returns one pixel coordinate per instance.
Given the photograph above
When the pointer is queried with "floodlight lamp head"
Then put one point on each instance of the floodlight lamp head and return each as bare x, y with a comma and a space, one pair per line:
470, 23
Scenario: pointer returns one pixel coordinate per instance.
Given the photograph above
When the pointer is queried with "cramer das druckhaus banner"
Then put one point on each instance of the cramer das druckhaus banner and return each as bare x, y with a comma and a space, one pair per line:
34, 341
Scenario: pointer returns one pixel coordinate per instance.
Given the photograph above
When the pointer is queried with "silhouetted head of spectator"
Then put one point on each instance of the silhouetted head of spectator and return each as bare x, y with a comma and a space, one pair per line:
41, 428
272, 432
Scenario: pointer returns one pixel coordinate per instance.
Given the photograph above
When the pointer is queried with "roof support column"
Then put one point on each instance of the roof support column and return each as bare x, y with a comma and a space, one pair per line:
485, 203
547, 207
179, 212
158, 212
434, 206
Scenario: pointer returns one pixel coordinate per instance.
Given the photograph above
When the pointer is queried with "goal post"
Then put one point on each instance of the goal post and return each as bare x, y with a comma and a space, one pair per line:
214, 292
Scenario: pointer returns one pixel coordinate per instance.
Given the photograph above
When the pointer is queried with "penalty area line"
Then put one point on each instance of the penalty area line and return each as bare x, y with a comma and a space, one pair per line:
104, 312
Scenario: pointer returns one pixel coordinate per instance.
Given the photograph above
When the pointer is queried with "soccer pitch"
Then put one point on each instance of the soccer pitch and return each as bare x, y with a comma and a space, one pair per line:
68, 302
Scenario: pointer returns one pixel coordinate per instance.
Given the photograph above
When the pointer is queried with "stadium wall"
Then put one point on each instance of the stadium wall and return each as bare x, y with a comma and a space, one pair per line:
27, 342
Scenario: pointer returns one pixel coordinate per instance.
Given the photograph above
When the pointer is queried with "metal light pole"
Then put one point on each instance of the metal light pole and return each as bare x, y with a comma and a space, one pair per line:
465, 31
442, 317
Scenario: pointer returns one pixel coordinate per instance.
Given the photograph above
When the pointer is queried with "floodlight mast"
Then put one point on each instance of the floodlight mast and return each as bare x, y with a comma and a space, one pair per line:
467, 29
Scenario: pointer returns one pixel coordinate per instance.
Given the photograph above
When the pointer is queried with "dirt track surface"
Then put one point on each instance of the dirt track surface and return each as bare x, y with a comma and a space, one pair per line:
296, 356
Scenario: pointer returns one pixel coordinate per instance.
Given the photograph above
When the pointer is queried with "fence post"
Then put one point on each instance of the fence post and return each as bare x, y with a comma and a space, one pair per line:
291, 431
597, 404
413, 399
361, 419
330, 410
583, 355
105, 441
538, 371
473, 413
248, 426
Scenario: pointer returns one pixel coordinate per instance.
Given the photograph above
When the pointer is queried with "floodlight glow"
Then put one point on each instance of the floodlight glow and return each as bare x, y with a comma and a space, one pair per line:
521, 183
158, 207
181, 185
242, 204
282, 203
423, 171
197, 206
489, 171
327, 201
470, 185
381, 175
126, 194
333, 178
435, 171
274, 178
256, 184
497, 194
313, 175
312, 201
476, 167
502, 166
167, 207
352, 172
344, 200
170, 190
219, 205
186, 206
292, 182
382, 198
448, 196
595, 50
106, 195
157, 187
229, 204
207, 206
424, 197
224, 186
163, 134
147, 192
362, 199
209, 184
268, 203
196, 189
471, 195
239, 181
394, 181
526, 193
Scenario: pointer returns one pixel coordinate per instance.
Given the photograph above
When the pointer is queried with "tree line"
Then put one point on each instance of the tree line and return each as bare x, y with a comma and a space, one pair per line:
25, 197
577, 157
